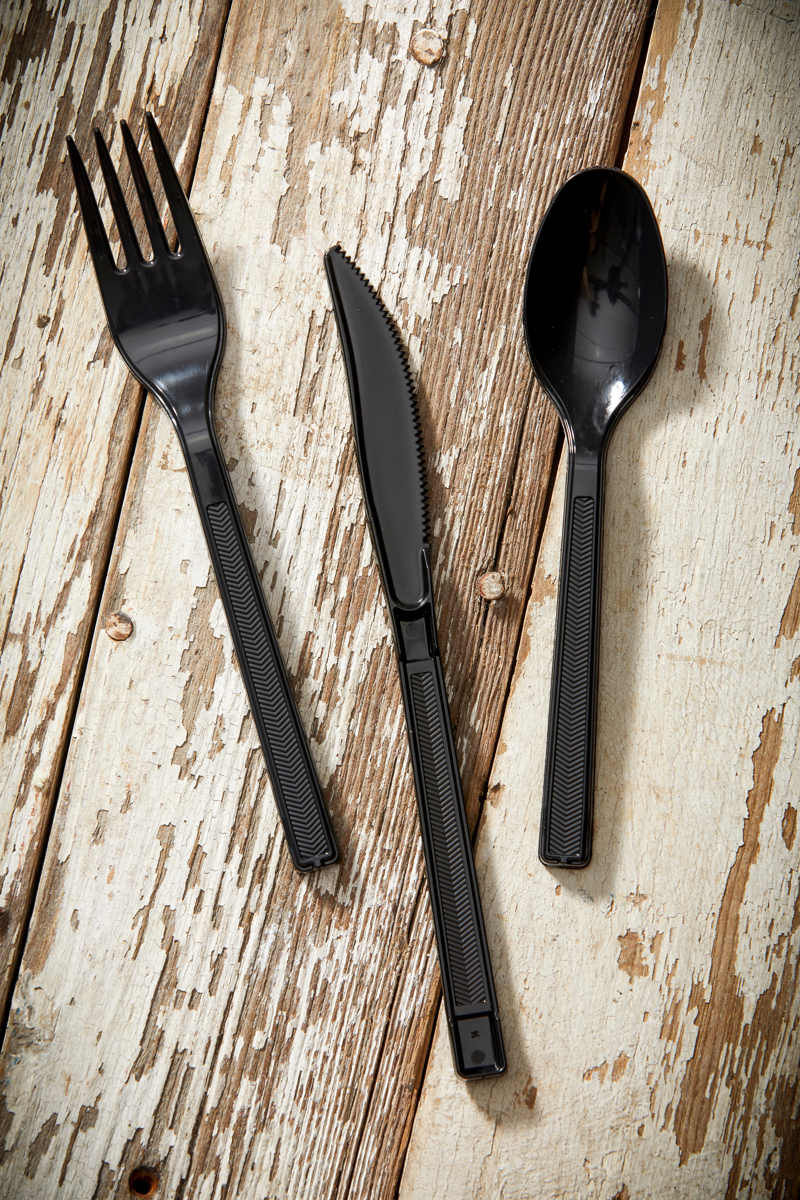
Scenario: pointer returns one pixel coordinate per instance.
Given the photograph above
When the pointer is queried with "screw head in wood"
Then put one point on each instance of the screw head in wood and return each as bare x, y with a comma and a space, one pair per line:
427, 46
119, 626
492, 585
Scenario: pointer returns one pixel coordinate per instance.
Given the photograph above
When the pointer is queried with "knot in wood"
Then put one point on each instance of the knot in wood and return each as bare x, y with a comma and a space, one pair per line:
119, 626
492, 585
427, 46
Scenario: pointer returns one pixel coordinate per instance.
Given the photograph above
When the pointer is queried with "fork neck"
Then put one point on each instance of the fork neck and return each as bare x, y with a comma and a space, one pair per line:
203, 456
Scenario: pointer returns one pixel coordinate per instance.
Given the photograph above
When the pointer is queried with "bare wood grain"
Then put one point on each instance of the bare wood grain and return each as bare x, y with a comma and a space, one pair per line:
242, 1030
67, 411
654, 995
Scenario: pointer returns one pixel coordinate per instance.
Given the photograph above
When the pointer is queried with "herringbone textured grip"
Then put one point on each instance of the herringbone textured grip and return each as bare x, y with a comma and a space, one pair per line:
294, 781
569, 799
463, 947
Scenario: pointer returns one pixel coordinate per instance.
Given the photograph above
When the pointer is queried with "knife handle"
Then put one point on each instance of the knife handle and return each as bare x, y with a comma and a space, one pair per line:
295, 786
565, 835
468, 987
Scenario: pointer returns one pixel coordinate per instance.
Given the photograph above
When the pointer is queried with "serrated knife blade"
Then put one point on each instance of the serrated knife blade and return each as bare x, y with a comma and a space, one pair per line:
387, 433
391, 466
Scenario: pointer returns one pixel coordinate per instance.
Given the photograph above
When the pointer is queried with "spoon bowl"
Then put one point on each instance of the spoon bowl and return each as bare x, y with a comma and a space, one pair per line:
595, 312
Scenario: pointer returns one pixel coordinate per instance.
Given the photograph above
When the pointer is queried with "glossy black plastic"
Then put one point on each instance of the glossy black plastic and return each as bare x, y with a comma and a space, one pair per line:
167, 319
595, 313
390, 463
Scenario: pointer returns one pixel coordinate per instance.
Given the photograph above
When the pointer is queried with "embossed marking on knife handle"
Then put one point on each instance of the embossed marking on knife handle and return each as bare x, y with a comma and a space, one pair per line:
470, 1001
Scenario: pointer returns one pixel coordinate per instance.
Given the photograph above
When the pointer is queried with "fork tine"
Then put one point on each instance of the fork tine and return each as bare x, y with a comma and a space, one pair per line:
93, 226
155, 230
127, 233
179, 206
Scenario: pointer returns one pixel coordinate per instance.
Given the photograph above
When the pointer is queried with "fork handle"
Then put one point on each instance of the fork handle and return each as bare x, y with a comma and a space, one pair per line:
565, 835
297, 792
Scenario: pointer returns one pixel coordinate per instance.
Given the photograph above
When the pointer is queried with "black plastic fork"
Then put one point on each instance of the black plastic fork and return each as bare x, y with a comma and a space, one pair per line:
168, 322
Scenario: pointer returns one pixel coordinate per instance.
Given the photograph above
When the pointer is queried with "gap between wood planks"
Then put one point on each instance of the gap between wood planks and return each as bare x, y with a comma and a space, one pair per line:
58, 780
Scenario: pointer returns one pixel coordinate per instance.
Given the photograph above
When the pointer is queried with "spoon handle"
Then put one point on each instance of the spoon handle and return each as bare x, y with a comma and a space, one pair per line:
565, 838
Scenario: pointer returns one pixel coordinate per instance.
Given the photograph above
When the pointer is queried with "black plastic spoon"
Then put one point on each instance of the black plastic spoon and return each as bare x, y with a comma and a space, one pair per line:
595, 313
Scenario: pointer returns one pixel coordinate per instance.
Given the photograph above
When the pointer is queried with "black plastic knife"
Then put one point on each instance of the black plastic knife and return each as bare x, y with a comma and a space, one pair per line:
391, 465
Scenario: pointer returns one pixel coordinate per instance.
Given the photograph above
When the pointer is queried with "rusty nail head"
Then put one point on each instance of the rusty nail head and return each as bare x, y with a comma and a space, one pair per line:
119, 626
427, 46
492, 585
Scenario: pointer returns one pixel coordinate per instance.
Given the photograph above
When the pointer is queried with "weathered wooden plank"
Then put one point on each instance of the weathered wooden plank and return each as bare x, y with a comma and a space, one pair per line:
240, 1029
651, 1000
67, 415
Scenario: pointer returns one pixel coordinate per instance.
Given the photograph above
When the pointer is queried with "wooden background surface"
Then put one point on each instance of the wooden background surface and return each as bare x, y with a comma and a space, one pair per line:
176, 996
